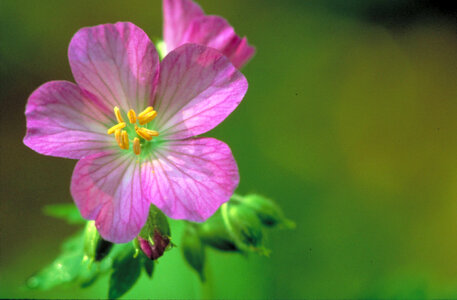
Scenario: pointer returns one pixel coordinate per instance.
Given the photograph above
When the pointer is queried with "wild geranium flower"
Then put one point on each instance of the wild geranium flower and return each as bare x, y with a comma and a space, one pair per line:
131, 122
185, 22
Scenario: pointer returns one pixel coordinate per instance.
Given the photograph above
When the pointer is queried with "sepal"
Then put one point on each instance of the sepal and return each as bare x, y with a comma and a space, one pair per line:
155, 237
214, 233
244, 226
269, 213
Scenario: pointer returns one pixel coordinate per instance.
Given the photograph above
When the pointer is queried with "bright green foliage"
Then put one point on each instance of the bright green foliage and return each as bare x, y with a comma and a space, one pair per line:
236, 227
161, 48
127, 270
95, 247
193, 249
67, 212
70, 266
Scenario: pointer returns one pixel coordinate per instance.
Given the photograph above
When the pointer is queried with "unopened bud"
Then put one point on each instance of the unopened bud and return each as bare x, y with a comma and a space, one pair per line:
213, 232
269, 213
154, 247
243, 224
193, 250
154, 237
95, 247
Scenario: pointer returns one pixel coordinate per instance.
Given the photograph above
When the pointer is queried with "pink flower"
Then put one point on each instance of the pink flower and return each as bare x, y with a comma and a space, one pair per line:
131, 122
185, 22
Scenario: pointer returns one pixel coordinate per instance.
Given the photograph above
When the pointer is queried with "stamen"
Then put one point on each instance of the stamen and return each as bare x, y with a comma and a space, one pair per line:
136, 146
115, 127
117, 135
132, 116
125, 140
117, 112
147, 109
150, 132
146, 133
147, 117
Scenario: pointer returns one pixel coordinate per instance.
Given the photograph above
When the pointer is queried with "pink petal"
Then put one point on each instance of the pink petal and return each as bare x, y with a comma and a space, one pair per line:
216, 32
185, 22
190, 179
177, 16
198, 88
64, 122
107, 188
117, 63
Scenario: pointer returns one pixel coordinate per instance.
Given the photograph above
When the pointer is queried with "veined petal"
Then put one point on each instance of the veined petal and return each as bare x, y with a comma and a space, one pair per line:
116, 62
198, 88
216, 32
177, 16
190, 179
185, 22
107, 188
63, 121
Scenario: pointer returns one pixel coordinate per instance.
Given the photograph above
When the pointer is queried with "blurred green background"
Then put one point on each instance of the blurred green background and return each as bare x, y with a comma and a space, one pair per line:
349, 123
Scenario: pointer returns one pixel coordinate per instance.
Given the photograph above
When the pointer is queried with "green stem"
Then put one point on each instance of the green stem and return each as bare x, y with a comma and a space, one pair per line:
207, 285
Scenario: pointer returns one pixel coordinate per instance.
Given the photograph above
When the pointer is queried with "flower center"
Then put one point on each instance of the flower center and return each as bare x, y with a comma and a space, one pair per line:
143, 135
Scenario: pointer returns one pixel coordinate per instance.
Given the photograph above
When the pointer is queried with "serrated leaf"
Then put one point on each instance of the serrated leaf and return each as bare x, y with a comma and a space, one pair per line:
67, 212
126, 272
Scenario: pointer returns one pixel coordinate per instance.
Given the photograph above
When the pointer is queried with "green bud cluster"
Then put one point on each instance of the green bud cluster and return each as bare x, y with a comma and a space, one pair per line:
238, 226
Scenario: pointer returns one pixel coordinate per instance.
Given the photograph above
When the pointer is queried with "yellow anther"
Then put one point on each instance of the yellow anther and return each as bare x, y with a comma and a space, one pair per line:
117, 135
147, 109
116, 127
117, 112
136, 146
147, 117
125, 140
150, 132
146, 133
132, 116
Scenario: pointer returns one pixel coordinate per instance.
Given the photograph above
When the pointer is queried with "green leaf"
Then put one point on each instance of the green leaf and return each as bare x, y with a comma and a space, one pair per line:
72, 266
67, 212
126, 272
148, 265
65, 268
95, 247
193, 250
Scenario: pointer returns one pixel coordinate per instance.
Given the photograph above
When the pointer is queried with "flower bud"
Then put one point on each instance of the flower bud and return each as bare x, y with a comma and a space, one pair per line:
193, 250
154, 237
269, 213
213, 232
243, 223
155, 247
95, 247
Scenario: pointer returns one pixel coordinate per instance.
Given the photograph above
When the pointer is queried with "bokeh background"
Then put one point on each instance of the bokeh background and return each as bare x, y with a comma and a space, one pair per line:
349, 124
